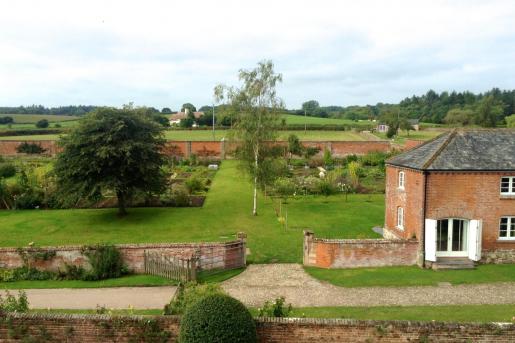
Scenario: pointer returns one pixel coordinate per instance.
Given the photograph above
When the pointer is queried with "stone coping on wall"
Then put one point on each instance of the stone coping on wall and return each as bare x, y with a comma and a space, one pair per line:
271, 320
365, 241
124, 246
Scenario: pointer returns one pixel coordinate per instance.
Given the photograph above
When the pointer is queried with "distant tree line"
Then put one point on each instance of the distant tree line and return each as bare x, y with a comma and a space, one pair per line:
71, 110
456, 108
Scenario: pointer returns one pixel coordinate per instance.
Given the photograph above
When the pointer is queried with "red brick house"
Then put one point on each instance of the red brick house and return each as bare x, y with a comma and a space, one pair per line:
456, 195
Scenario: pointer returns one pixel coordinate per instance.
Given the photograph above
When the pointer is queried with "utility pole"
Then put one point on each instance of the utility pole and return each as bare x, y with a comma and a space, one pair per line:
213, 122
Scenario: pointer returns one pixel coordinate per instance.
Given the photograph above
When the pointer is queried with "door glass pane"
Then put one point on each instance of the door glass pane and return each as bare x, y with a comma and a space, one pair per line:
458, 235
442, 234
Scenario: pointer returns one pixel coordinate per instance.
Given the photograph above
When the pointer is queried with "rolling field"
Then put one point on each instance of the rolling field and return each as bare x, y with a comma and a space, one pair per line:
300, 120
28, 121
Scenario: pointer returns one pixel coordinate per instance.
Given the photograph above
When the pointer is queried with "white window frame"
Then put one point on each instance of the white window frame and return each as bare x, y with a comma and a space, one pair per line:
511, 185
509, 223
400, 218
401, 179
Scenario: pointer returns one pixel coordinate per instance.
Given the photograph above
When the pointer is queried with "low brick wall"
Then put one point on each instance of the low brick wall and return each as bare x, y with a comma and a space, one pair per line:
210, 255
97, 328
220, 149
353, 253
412, 143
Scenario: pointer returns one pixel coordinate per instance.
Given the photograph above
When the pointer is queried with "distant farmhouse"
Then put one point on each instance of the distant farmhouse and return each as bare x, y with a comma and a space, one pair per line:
176, 118
455, 194
383, 127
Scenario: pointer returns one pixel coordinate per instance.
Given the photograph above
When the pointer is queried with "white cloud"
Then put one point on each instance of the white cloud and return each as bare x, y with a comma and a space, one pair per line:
164, 53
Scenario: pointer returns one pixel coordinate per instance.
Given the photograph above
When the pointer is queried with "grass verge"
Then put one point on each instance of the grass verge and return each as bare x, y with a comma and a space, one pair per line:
412, 276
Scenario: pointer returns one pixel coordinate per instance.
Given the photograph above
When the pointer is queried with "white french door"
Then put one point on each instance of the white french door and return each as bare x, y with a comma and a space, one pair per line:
451, 237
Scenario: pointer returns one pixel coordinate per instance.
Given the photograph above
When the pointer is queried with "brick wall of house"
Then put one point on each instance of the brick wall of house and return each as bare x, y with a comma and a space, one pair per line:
211, 255
411, 199
354, 253
96, 328
412, 143
471, 196
219, 149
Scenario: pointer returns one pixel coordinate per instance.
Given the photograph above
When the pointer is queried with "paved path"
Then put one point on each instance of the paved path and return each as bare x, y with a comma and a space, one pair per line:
89, 298
263, 282
269, 281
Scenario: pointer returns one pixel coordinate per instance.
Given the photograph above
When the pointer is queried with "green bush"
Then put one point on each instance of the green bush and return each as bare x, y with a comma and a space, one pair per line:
106, 262
12, 304
275, 309
42, 124
217, 318
30, 148
7, 170
195, 184
28, 200
188, 294
180, 196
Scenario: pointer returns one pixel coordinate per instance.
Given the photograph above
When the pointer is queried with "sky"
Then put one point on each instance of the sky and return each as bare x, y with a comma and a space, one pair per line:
166, 53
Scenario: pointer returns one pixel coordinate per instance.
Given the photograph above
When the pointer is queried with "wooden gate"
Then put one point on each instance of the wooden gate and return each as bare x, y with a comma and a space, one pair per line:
171, 267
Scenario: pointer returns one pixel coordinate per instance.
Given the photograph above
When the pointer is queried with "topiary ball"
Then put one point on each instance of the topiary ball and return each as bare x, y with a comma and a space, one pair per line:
217, 318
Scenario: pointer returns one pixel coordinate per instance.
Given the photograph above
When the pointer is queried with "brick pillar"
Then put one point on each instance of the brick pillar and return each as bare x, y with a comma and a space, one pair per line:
188, 149
242, 236
307, 245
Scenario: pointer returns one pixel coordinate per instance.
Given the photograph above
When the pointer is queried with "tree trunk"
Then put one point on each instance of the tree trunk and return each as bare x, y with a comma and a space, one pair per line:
122, 211
254, 209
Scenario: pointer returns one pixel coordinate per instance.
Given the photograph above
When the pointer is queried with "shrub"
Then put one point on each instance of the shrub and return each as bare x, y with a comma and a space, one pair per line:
285, 187
328, 158
57, 125
326, 187
7, 170
275, 309
180, 196
42, 124
106, 262
194, 184
355, 172
217, 318
32, 274
6, 120
311, 151
12, 304
28, 200
30, 148
189, 294
373, 159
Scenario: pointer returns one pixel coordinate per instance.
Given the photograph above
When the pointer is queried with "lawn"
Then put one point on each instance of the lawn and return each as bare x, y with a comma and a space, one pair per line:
125, 281
453, 313
226, 211
413, 276
33, 118
423, 135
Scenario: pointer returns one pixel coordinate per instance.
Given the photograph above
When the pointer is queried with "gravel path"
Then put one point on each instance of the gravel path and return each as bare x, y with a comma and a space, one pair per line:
263, 282
89, 298
269, 281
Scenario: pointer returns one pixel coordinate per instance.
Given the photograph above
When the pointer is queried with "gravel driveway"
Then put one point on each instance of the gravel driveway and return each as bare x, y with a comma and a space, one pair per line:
261, 282
89, 298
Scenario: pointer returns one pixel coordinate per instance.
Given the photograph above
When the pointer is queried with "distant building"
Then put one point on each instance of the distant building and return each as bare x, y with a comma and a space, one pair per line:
176, 118
382, 128
415, 123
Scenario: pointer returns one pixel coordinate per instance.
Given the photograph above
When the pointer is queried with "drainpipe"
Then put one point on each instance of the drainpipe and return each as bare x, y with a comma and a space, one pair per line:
423, 238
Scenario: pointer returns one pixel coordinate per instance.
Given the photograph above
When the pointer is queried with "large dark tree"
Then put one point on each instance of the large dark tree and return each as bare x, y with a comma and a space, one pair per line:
112, 150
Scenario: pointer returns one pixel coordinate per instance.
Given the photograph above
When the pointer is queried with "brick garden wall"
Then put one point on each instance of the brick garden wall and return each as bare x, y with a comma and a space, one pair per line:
353, 253
96, 328
211, 255
219, 149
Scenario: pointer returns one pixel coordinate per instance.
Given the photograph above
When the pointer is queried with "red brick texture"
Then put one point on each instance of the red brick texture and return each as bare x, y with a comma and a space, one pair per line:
218, 149
210, 255
96, 328
467, 195
8, 148
411, 199
412, 143
353, 253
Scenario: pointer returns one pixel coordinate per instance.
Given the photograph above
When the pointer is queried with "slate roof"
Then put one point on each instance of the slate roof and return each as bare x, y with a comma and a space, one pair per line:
473, 150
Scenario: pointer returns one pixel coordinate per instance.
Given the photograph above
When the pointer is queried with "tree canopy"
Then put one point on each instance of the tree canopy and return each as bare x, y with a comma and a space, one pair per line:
257, 108
116, 150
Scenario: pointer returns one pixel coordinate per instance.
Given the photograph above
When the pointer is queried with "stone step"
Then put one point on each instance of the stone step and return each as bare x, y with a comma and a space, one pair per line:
453, 263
